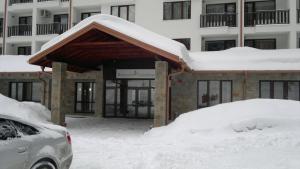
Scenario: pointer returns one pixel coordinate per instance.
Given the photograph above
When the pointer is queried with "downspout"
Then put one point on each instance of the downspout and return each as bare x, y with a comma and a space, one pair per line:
169, 80
245, 85
4, 28
70, 15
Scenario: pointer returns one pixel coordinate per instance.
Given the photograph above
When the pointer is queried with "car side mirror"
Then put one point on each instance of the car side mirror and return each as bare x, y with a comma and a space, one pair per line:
7, 132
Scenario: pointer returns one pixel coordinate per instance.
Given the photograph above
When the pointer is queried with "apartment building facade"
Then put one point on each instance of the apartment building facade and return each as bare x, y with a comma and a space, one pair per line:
206, 25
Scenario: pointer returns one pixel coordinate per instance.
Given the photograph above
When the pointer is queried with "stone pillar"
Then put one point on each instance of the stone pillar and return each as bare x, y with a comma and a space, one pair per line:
58, 97
99, 91
160, 99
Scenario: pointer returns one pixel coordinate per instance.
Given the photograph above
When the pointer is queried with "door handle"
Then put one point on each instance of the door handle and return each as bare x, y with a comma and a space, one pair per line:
22, 149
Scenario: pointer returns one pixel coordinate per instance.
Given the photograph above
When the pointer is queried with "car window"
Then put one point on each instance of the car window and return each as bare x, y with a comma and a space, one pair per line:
25, 129
7, 130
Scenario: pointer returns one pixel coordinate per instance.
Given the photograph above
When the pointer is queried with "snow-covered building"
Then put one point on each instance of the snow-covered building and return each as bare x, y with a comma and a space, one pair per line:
200, 24
109, 67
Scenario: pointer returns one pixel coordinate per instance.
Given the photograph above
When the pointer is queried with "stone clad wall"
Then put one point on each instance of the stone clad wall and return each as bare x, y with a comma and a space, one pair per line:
184, 87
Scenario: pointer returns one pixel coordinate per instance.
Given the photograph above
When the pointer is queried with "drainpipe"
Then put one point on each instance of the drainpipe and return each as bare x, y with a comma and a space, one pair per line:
4, 27
169, 80
70, 15
245, 85
241, 37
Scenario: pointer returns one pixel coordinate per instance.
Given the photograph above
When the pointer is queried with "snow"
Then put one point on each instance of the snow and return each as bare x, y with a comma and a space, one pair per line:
251, 134
125, 27
28, 111
17, 63
245, 59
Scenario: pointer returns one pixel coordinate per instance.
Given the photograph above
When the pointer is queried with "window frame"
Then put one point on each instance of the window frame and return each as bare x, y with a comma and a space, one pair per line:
225, 8
254, 41
83, 101
119, 7
24, 96
89, 14
180, 40
285, 88
27, 50
208, 91
182, 9
223, 41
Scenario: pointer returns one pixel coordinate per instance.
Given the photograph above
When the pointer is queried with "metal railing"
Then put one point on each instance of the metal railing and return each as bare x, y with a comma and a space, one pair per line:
20, 30
267, 17
52, 28
64, 0
19, 1
44, 0
217, 20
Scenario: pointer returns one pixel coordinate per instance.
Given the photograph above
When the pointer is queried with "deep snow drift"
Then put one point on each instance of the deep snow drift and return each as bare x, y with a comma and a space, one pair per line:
28, 111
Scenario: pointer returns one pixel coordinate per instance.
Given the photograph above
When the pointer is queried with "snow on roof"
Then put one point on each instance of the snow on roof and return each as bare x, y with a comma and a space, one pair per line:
245, 59
17, 63
125, 27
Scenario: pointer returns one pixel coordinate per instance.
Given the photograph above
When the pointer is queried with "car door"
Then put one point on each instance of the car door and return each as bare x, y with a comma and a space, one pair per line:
13, 149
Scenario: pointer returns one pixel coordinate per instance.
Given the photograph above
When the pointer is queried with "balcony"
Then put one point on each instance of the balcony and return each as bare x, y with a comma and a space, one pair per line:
52, 28
11, 2
20, 30
218, 20
298, 15
267, 17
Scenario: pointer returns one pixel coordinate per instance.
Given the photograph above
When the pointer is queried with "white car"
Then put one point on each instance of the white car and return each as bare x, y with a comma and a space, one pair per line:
24, 145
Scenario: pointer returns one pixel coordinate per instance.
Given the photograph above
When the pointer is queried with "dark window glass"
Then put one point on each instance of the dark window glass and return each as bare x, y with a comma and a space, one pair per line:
280, 90
24, 50
186, 42
62, 18
177, 10
25, 91
219, 45
7, 130
214, 92
25, 20
25, 129
261, 43
85, 97
221, 8
126, 12
88, 14
1, 28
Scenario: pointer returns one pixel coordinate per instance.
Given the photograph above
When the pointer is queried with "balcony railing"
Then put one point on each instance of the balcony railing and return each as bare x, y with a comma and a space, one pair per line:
267, 17
19, 1
52, 28
20, 30
298, 15
52, 0
217, 20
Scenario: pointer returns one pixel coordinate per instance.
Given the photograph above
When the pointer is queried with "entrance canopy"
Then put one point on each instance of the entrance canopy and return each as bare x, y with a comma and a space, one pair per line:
102, 39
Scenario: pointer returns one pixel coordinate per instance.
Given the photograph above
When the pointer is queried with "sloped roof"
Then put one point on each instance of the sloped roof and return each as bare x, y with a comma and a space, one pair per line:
124, 30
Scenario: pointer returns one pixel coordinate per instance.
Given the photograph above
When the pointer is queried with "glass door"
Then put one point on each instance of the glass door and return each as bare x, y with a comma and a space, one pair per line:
143, 103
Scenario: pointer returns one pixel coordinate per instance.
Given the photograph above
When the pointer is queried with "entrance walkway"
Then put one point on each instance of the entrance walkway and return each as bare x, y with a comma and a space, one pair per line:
98, 142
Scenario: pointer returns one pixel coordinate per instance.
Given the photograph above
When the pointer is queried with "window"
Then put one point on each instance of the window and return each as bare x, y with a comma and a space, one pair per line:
280, 90
214, 92
177, 10
186, 42
25, 129
229, 8
1, 27
124, 11
25, 91
61, 18
257, 6
261, 43
7, 130
88, 14
219, 45
85, 97
25, 20
24, 50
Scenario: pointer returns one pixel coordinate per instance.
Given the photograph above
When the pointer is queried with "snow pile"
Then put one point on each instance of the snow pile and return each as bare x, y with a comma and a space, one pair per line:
127, 28
28, 111
233, 118
17, 63
245, 58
